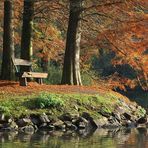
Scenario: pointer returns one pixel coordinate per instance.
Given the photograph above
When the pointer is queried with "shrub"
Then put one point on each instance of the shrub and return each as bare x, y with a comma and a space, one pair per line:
6, 106
54, 75
45, 100
4, 109
86, 79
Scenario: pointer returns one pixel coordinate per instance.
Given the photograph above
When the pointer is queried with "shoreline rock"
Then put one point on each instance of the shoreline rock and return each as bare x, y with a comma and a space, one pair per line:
123, 115
85, 121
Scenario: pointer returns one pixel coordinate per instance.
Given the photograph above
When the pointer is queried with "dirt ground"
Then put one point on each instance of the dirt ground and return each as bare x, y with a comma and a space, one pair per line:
33, 87
13, 88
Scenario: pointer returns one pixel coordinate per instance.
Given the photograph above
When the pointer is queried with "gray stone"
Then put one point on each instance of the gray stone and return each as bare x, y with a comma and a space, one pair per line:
10, 120
59, 124
86, 116
142, 120
13, 125
35, 120
113, 121
76, 107
50, 127
119, 110
23, 122
2, 118
90, 119
44, 118
68, 124
101, 122
5, 119
68, 117
127, 116
133, 107
10, 126
82, 123
80, 119
39, 119
117, 116
47, 127
74, 121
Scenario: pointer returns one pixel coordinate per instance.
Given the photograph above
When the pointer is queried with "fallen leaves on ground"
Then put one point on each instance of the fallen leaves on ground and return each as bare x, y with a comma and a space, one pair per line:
13, 88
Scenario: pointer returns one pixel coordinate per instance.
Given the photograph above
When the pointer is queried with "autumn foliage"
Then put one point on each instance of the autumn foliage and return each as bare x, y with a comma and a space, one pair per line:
120, 26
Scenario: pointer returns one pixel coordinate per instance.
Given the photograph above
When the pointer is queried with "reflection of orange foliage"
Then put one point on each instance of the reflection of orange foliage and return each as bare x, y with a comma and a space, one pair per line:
138, 139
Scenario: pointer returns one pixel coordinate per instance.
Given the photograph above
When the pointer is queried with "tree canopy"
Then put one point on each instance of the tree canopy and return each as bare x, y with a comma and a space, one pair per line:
115, 27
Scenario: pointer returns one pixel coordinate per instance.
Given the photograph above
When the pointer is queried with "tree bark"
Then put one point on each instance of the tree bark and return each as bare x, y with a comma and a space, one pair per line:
7, 72
26, 39
71, 70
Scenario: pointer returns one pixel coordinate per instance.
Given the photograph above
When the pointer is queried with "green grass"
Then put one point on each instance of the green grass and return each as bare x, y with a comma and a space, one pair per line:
56, 104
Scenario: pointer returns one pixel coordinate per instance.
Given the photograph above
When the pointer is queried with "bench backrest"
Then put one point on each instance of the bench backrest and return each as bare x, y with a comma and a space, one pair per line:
20, 62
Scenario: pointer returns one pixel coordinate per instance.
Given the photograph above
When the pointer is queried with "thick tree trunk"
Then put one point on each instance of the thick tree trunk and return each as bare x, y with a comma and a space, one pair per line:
7, 72
26, 39
71, 70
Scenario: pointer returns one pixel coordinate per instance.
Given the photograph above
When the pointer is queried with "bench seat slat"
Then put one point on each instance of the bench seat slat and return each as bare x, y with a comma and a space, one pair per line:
34, 75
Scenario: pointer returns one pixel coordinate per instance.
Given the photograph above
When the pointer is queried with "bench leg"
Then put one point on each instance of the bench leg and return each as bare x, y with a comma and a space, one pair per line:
39, 80
23, 81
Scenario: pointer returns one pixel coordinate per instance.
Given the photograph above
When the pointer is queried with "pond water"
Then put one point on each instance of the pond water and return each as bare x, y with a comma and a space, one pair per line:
101, 138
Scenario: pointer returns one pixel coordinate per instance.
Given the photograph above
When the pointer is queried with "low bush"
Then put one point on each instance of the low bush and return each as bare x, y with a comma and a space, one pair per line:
54, 75
6, 106
45, 100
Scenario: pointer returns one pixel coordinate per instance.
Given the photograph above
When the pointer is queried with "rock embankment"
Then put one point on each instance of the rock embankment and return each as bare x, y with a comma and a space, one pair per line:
123, 115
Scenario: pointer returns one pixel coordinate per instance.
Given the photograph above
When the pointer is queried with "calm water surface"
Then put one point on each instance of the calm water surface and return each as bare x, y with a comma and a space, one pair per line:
102, 138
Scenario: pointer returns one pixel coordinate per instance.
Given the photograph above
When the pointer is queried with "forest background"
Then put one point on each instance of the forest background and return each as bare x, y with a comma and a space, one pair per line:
113, 43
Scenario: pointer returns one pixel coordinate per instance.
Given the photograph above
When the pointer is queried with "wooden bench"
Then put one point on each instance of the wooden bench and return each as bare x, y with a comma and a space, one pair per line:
23, 76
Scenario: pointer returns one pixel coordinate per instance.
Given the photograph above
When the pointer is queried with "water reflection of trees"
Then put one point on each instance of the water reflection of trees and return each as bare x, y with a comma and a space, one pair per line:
137, 138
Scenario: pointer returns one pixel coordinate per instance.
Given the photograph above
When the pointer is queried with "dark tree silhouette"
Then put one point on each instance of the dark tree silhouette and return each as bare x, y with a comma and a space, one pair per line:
7, 72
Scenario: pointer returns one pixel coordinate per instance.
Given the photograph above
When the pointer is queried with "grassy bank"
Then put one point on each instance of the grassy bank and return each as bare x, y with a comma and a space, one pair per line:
55, 104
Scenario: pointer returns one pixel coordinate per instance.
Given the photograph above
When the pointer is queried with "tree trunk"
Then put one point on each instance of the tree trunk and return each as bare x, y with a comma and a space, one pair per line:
26, 39
7, 72
71, 70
